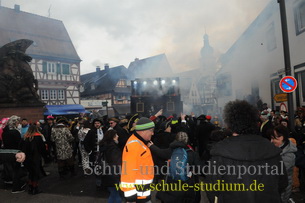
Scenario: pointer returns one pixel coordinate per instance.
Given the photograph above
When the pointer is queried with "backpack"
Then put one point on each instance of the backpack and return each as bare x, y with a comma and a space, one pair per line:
178, 164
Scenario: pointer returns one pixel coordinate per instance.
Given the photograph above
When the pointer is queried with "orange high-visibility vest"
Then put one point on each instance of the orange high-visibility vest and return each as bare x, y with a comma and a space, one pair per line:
137, 169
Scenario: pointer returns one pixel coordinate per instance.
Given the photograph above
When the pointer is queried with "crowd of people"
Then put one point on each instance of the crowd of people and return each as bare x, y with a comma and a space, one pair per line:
132, 150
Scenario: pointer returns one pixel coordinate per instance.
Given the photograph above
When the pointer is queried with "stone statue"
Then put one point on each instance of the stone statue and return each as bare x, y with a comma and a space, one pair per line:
17, 82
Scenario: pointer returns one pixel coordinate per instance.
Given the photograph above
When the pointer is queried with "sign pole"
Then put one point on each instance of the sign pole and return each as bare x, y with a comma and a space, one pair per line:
287, 59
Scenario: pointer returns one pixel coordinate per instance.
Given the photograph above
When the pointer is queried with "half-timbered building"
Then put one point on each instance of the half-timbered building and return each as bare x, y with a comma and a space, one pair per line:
109, 87
55, 63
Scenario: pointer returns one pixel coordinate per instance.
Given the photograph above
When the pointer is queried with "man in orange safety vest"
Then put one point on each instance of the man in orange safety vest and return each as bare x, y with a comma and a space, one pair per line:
137, 163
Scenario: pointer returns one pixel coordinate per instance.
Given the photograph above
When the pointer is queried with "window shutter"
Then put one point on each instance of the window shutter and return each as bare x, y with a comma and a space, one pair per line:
44, 67
58, 71
66, 69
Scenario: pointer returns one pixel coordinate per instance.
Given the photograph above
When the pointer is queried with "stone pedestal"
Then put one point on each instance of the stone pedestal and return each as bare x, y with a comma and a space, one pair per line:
32, 112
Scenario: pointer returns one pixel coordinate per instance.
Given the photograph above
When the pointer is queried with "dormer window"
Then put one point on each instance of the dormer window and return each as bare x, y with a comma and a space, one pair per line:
122, 83
92, 86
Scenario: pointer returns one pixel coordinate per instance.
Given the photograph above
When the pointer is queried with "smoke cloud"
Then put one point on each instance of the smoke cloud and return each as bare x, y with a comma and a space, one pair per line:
116, 32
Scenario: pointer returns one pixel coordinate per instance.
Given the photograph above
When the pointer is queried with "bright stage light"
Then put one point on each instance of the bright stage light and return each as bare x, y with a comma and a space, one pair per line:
144, 83
135, 82
163, 82
155, 82
174, 81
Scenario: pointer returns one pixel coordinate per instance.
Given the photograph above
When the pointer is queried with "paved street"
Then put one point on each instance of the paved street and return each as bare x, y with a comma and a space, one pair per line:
76, 189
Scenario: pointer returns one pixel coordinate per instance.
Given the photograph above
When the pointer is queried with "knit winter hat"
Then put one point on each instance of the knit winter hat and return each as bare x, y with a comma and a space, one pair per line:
208, 117
144, 124
50, 117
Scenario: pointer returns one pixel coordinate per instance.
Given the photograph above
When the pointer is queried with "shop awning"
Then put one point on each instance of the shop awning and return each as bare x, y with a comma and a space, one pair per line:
68, 109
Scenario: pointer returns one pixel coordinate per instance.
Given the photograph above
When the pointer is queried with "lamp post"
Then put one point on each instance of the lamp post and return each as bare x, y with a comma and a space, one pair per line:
105, 104
286, 58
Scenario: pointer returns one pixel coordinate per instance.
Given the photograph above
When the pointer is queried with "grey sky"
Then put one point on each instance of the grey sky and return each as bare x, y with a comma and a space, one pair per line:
118, 31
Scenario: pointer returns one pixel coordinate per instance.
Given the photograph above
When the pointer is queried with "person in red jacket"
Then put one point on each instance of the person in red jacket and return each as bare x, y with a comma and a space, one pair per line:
137, 163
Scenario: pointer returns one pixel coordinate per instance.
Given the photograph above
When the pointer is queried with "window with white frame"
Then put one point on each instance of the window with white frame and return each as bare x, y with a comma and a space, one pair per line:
53, 94
44, 94
61, 94
299, 17
51, 68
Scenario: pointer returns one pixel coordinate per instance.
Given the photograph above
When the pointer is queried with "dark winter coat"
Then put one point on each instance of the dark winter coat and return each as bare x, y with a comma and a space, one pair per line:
11, 138
163, 139
113, 157
90, 140
47, 131
8, 156
34, 149
245, 151
203, 133
123, 135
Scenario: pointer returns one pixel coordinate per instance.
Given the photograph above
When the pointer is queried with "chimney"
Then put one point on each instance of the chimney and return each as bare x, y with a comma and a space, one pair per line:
106, 67
98, 69
136, 59
17, 8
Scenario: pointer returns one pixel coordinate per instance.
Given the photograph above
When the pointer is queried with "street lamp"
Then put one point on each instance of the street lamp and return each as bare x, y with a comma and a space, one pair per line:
286, 58
105, 104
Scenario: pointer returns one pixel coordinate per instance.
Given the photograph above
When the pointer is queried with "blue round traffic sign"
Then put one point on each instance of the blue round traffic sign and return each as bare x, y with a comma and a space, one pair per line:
288, 84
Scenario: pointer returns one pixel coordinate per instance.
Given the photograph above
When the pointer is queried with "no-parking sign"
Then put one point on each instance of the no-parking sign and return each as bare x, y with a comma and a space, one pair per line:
288, 84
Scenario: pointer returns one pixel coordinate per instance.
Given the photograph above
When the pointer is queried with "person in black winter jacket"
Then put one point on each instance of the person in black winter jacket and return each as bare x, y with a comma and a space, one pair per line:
11, 135
34, 148
253, 158
12, 172
122, 133
113, 158
162, 139
193, 160
46, 131
91, 144
92, 139
203, 133
164, 136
